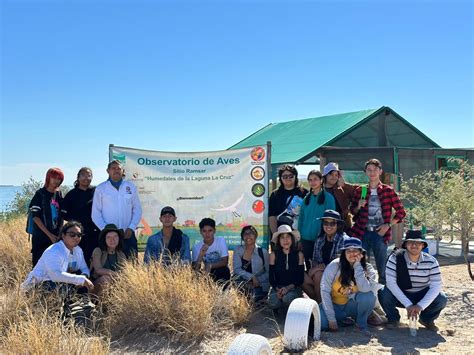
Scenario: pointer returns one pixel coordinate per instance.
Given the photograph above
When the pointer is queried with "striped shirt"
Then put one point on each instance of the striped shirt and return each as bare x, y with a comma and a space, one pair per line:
424, 273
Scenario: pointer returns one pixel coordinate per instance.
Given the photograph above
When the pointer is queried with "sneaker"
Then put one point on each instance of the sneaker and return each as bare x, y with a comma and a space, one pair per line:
375, 319
429, 325
394, 324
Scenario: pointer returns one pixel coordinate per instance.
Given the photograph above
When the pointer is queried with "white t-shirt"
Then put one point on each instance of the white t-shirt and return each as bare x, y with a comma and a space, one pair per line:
375, 209
216, 251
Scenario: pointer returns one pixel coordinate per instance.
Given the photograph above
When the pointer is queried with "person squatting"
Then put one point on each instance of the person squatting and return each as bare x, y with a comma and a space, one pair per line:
321, 243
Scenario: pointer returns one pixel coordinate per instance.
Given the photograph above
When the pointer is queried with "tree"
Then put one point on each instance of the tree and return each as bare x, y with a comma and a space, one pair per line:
444, 199
19, 205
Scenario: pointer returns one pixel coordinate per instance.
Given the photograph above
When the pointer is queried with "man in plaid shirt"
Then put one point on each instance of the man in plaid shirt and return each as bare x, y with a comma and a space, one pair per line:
373, 215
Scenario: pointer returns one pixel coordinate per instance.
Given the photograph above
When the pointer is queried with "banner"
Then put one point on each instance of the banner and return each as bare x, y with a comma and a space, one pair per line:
230, 186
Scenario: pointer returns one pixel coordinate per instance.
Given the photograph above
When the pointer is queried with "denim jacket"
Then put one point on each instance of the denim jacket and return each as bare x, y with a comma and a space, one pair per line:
155, 249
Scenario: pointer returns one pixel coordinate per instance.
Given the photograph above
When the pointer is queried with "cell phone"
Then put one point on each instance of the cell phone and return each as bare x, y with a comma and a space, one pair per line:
363, 194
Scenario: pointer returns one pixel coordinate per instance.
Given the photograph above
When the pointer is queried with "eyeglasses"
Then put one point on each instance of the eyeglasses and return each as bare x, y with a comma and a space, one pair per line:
288, 176
74, 234
329, 224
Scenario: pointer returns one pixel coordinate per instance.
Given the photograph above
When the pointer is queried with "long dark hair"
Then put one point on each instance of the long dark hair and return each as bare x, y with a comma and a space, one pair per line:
245, 229
321, 197
340, 228
347, 271
293, 243
81, 170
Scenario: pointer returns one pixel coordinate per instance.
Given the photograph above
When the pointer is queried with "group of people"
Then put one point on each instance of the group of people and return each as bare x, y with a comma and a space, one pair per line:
320, 246
322, 241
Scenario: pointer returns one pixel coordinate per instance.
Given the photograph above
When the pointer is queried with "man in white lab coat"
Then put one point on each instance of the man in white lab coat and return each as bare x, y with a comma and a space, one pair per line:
116, 202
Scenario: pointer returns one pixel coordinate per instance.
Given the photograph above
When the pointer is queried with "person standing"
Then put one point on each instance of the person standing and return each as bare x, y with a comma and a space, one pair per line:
373, 215
282, 197
342, 191
309, 222
45, 208
78, 207
116, 202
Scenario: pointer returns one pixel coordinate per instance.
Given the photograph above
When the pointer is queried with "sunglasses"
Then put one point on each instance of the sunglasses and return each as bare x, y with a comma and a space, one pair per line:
286, 177
74, 234
329, 224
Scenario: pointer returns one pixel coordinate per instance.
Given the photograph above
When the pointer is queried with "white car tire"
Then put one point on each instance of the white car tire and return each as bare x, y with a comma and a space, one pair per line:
297, 323
250, 344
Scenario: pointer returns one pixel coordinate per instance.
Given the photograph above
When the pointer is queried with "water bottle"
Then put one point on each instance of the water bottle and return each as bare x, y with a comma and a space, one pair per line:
413, 326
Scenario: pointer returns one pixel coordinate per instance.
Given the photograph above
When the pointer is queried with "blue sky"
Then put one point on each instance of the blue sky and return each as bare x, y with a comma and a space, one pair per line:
77, 76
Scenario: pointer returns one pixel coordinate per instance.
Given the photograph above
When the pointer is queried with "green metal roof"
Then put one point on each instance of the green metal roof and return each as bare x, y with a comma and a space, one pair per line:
293, 141
296, 141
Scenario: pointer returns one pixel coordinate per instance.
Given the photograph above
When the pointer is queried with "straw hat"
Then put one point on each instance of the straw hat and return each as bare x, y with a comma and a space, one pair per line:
285, 229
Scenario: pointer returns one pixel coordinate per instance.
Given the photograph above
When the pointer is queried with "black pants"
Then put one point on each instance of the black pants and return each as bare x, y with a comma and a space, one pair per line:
221, 274
39, 243
308, 250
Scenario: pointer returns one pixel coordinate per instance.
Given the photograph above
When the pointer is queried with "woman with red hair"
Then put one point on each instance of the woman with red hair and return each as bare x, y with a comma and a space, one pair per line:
45, 208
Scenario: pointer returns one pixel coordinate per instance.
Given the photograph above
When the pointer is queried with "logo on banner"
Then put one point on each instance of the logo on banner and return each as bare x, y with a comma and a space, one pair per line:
257, 173
258, 206
258, 190
257, 154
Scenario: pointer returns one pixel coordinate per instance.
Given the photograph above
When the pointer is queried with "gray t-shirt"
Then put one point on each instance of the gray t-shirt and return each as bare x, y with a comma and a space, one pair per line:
375, 209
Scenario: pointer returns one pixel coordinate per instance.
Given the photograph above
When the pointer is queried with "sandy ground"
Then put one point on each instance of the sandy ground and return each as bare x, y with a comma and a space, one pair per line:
455, 335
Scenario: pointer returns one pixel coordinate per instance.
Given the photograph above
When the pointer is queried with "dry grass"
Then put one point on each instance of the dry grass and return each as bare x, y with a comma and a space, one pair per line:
174, 301
31, 324
15, 256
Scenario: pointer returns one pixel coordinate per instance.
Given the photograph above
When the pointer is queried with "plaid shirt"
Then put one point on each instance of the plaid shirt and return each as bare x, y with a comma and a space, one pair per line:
388, 200
338, 241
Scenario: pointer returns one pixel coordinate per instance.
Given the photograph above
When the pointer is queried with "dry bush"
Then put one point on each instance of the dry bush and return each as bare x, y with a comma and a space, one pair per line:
32, 324
174, 300
15, 256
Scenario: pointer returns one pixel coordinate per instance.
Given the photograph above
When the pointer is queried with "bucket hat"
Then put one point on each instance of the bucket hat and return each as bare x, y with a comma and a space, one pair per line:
415, 236
285, 229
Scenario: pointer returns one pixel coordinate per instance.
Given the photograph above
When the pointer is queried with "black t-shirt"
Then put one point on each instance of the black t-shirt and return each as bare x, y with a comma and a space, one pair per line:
47, 206
326, 251
286, 270
246, 265
78, 207
279, 199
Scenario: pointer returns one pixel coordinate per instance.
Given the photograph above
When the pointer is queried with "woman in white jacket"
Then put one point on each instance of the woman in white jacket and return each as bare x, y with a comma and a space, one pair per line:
346, 288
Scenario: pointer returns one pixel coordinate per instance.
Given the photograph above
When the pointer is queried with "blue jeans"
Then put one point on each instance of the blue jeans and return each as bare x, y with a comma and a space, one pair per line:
390, 303
274, 302
130, 246
373, 241
358, 307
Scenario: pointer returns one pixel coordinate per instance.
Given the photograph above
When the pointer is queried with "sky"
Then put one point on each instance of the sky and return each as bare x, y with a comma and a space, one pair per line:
183, 76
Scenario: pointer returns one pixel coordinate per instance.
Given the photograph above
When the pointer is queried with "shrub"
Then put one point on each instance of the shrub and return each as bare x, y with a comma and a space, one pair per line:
33, 325
174, 300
